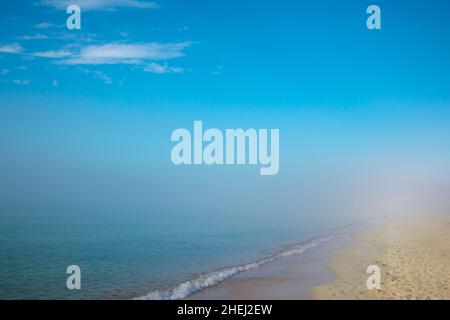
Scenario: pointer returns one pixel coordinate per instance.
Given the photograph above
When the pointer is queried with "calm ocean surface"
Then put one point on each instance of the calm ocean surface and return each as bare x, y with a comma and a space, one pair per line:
129, 258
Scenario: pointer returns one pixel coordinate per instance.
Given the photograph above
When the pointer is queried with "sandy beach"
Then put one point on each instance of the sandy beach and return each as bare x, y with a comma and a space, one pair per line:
413, 255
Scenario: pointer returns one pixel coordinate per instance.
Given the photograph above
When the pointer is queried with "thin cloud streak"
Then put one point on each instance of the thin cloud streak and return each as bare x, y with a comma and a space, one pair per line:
100, 4
112, 53
162, 68
11, 48
46, 25
52, 54
116, 53
33, 37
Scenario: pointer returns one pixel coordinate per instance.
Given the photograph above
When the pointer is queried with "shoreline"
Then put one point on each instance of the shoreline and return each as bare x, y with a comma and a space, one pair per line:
289, 278
225, 282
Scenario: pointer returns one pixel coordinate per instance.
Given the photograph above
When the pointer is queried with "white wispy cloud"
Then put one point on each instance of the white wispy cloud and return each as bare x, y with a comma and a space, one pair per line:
33, 37
162, 68
45, 25
11, 48
74, 37
118, 53
102, 76
100, 4
52, 54
112, 53
98, 74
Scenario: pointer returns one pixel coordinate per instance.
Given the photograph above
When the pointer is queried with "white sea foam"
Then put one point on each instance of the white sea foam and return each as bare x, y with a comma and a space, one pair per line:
208, 279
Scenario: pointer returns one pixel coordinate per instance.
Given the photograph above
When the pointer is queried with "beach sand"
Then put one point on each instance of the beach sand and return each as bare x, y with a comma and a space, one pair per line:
413, 255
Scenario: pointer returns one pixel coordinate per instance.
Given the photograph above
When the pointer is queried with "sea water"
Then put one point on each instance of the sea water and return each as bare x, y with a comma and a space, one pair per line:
145, 257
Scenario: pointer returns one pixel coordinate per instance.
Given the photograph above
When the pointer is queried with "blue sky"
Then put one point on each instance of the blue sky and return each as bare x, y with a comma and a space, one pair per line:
228, 52
91, 111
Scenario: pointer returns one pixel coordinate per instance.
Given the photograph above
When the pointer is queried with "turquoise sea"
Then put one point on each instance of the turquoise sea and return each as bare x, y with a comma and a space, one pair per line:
145, 257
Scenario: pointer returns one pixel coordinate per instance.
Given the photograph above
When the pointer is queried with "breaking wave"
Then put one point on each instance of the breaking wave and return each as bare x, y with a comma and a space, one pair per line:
208, 279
